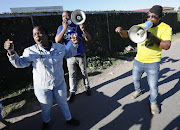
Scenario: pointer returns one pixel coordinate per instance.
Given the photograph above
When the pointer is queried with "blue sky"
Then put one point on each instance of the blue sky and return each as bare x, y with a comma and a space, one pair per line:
88, 5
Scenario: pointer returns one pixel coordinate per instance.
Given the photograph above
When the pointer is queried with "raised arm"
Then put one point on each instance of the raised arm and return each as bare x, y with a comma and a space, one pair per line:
61, 32
163, 44
87, 37
9, 46
16, 61
123, 33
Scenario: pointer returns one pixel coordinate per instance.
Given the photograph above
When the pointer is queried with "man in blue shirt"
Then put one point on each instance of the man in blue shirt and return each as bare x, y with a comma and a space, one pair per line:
64, 33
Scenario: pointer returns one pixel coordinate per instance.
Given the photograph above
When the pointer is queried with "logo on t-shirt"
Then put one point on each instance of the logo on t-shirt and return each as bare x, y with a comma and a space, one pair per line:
68, 36
69, 32
148, 43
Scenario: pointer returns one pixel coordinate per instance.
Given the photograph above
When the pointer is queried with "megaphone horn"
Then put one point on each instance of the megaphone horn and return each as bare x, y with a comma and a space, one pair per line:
78, 17
138, 33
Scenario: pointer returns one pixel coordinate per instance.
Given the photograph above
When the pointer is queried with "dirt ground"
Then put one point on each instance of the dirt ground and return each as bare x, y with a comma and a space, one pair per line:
120, 92
95, 78
110, 106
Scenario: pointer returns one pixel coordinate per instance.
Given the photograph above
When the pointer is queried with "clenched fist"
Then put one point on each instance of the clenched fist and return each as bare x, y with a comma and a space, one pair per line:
9, 46
118, 29
82, 27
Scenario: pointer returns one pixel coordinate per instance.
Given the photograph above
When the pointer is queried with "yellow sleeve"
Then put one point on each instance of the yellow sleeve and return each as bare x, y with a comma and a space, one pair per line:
167, 34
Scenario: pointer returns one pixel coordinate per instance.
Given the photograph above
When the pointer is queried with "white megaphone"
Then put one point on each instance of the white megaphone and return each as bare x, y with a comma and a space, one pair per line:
78, 17
138, 33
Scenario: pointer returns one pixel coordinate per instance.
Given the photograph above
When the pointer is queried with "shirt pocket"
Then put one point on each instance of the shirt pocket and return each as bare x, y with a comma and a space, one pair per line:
39, 62
58, 57
39, 59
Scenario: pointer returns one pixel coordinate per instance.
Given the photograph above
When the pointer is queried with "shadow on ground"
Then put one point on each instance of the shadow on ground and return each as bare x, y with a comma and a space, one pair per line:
95, 109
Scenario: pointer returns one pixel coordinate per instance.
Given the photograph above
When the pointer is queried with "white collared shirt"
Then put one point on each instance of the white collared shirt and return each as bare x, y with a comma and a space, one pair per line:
47, 65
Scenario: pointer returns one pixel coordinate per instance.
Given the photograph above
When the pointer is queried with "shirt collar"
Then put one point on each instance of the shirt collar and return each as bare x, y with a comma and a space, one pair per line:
42, 49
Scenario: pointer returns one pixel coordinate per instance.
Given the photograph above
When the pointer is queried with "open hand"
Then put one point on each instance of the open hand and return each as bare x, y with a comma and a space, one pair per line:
74, 38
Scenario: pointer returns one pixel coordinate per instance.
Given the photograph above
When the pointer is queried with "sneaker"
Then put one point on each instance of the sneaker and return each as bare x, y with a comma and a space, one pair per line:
71, 97
73, 122
45, 126
136, 94
154, 109
88, 91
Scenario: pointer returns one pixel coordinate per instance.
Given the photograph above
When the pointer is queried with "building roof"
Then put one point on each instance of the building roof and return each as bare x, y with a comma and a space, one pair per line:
36, 9
164, 9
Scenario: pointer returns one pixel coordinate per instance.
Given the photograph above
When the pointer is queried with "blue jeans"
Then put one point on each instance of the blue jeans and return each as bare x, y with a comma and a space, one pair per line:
152, 71
45, 97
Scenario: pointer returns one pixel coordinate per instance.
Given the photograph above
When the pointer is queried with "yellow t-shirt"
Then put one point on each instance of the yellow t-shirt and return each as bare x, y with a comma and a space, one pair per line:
149, 52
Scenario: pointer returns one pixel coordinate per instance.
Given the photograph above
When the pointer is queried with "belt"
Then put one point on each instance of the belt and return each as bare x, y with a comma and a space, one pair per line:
80, 55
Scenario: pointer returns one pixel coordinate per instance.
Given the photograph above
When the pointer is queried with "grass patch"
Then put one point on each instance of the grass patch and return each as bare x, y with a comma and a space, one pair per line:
17, 100
99, 63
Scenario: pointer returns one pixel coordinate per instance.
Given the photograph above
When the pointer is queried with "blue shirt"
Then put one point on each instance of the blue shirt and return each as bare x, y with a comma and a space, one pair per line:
71, 30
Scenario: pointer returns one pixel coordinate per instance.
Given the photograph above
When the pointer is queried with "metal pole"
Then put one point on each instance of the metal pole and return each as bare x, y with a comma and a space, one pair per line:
32, 21
108, 31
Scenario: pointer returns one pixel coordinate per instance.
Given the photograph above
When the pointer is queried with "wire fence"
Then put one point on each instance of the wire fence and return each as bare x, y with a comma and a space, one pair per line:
101, 26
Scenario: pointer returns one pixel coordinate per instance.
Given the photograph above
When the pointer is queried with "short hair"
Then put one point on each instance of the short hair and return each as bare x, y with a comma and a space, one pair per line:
69, 13
41, 28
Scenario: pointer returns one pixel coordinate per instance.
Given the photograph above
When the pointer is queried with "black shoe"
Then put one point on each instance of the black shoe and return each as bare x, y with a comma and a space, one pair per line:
45, 126
71, 97
73, 122
88, 91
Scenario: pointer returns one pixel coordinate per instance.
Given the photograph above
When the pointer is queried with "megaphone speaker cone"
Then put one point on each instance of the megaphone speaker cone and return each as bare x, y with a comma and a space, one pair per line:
78, 17
137, 34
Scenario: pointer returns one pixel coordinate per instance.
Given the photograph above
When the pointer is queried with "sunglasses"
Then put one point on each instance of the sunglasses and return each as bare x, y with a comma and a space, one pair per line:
152, 16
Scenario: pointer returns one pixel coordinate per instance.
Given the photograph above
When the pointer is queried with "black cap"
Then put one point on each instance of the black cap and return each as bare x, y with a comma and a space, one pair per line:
157, 9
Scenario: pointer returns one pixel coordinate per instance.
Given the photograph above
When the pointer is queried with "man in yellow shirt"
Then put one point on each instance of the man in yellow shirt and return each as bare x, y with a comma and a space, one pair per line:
149, 55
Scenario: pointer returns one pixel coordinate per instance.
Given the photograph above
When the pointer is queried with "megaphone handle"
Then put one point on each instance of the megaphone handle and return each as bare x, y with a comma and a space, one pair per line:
76, 29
